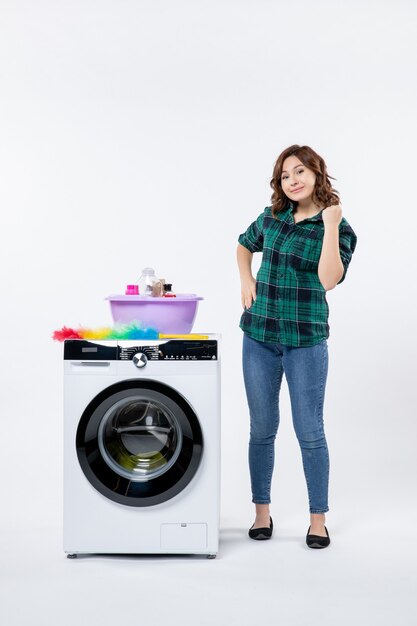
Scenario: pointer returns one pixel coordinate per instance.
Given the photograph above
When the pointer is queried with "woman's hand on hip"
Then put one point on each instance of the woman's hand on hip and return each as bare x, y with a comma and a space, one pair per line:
248, 292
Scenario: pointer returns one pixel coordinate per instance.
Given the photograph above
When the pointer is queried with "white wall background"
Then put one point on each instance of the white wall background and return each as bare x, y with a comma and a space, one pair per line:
141, 133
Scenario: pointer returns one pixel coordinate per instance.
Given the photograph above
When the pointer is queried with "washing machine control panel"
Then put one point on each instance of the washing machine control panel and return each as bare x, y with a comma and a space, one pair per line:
173, 350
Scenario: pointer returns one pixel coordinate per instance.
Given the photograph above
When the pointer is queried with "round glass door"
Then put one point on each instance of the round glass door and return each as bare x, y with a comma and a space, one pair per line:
139, 438
139, 442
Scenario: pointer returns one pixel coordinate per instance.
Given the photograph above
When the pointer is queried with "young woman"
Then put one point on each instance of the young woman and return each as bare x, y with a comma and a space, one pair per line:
306, 248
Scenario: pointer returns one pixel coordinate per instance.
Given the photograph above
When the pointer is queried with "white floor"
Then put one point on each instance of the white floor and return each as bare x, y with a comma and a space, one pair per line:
366, 576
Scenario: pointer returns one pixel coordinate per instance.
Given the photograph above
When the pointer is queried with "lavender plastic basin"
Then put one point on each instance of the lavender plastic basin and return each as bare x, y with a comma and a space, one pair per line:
167, 315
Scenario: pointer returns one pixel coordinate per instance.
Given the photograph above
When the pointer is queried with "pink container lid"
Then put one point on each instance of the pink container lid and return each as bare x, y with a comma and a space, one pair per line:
132, 290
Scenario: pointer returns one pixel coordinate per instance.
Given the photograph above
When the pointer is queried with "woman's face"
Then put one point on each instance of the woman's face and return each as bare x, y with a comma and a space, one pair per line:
296, 176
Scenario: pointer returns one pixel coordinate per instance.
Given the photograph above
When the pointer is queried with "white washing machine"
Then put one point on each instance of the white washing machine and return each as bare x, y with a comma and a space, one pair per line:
142, 446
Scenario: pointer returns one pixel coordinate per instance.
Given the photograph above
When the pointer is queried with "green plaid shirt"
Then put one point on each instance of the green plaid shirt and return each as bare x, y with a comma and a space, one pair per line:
290, 306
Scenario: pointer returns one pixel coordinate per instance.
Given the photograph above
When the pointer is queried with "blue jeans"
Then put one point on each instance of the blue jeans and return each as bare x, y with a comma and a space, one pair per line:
306, 372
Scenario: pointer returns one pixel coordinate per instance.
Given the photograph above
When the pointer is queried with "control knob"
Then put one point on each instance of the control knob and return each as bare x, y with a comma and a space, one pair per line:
140, 359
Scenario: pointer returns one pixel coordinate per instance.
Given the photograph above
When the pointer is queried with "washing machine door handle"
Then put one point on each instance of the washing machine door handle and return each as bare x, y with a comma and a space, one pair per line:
140, 359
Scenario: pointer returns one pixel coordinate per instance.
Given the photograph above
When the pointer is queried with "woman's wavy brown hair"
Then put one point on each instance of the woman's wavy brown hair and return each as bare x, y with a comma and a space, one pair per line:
323, 193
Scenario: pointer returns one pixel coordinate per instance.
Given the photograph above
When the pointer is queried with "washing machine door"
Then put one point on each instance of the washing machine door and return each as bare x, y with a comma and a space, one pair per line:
139, 442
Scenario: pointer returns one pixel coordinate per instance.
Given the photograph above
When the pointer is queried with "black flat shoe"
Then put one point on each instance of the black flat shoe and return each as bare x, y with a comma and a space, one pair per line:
315, 541
261, 533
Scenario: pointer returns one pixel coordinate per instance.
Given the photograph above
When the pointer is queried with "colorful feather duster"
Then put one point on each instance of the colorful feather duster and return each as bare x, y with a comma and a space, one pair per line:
133, 330
66, 333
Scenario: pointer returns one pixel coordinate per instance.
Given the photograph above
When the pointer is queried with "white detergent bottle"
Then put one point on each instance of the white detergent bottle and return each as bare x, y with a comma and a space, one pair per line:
146, 281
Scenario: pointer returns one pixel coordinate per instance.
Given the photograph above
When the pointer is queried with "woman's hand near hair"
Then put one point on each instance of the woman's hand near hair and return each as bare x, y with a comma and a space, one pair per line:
247, 281
332, 215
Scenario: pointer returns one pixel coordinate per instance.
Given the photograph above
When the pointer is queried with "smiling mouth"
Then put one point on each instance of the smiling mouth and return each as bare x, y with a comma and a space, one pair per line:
299, 189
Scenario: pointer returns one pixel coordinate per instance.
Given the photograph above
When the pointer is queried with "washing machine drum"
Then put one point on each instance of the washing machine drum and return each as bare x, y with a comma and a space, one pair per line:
139, 442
